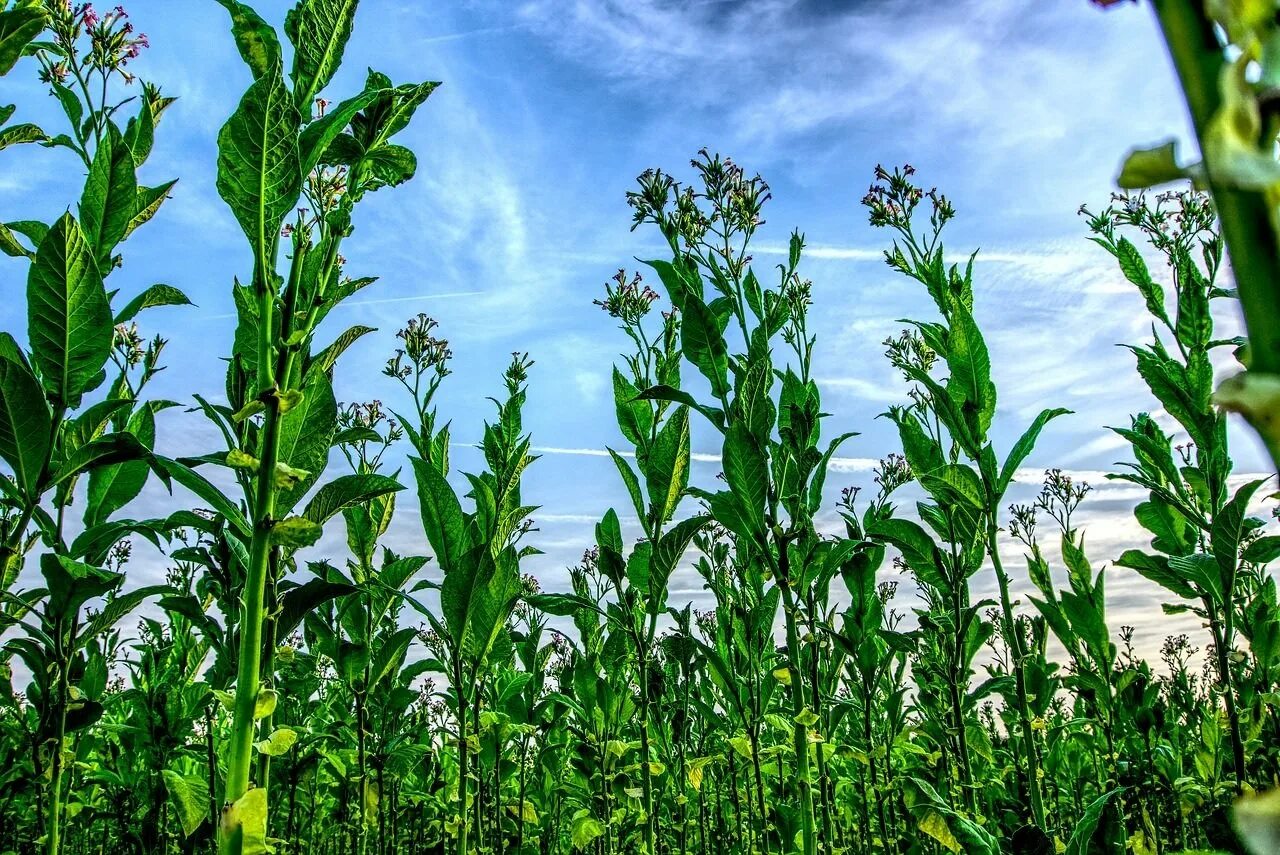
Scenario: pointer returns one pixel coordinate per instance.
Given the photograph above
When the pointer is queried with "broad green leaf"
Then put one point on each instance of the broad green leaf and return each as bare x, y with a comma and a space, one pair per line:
147, 203
248, 816
442, 518
345, 491
18, 28
256, 40
259, 170
156, 295
1150, 167
319, 30
190, 798
666, 466
278, 743
198, 484
25, 422
19, 134
306, 435
113, 486
110, 197
704, 345
69, 320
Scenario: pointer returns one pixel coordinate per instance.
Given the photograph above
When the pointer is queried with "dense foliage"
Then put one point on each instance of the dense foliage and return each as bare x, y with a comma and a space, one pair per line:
267, 697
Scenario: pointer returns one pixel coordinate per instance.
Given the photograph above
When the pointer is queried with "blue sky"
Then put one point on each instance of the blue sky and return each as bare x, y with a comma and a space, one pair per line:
1018, 111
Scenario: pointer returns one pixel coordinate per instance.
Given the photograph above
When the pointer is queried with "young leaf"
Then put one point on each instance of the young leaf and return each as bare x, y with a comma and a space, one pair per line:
110, 196
1024, 446
319, 30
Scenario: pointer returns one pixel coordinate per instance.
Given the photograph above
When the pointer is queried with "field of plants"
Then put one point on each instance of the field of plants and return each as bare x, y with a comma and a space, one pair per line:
272, 696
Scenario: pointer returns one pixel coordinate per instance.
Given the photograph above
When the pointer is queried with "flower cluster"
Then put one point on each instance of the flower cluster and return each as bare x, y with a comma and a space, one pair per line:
113, 44
421, 352
627, 301
892, 472
893, 199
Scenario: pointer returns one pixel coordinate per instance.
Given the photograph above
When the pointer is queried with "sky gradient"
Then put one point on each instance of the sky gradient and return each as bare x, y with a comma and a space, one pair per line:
1018, 111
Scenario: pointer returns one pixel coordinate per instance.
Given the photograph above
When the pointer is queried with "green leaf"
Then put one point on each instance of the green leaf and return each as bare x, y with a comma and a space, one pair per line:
666, 466
278, 743
248, 815
1135, 270
26, 424
442, 518
306, 435
259, 169
668, 551
1087, 824
213, 497
19, 134
1228, 528
746, 468
105, 450
18, 28
319, 30
297, 603
69, 320
704, 345
110, 196
156, 295
970, 365
1149, 167
147, 202
190, 798
317, 136
631, 481
113, 486
257, 42
1024, 446
295, 533
348, 490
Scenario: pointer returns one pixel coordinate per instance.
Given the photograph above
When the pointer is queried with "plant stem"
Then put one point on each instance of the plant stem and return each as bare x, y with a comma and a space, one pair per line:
248, 676
1250, 228
800, 731
1014, 640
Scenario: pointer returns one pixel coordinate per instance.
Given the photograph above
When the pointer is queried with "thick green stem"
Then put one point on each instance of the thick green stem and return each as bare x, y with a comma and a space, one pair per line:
53, 823
1250, 228
252, 612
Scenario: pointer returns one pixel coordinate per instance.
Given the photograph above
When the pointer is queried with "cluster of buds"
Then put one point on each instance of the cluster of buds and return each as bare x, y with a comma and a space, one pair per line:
1176, 652
848, 497
737, 201
649, 205
908, 352
326, 187
886, 591
1061, 495
119, 555
1022, 523
892, 472
892, 200
424, 352
128, 342
516, 375
367, 415
1172, 221
627, 301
